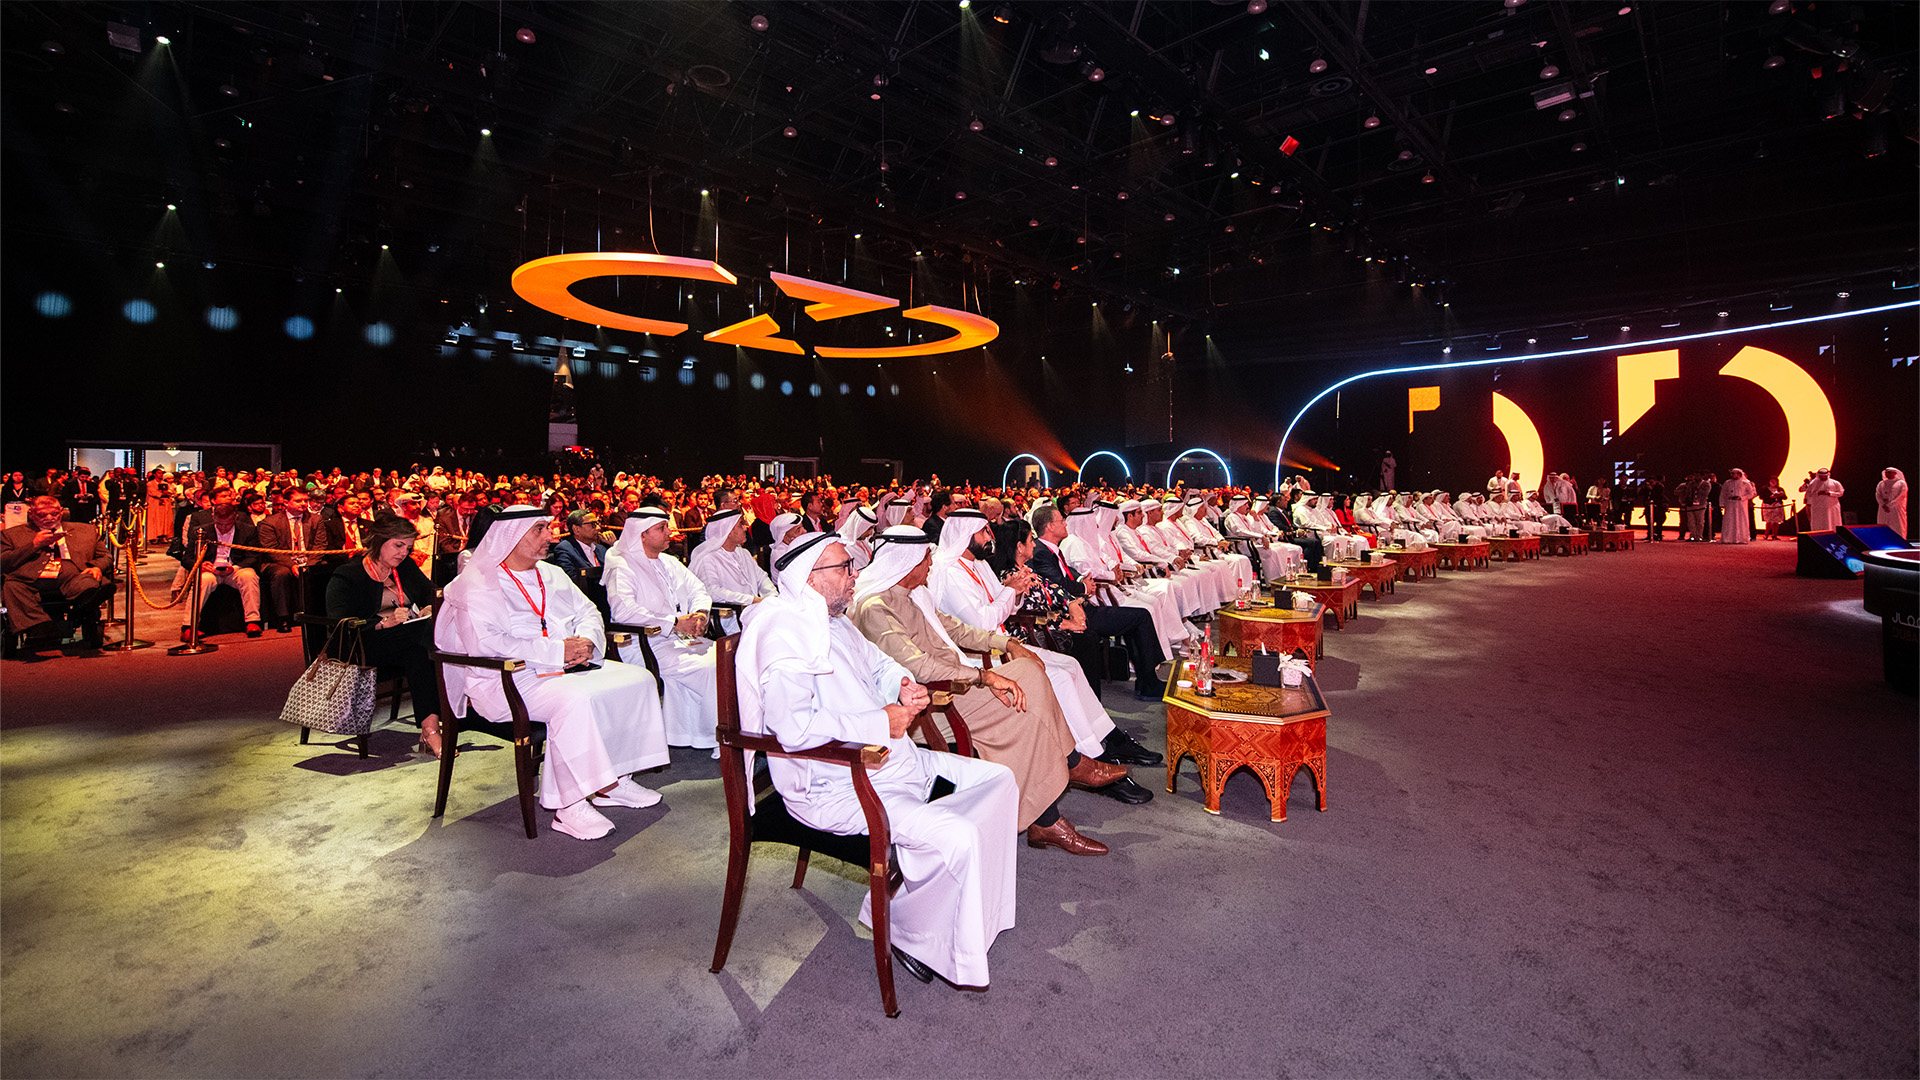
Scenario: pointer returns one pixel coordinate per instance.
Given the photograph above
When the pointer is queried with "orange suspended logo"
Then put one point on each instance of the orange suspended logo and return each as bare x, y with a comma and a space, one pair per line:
547, 284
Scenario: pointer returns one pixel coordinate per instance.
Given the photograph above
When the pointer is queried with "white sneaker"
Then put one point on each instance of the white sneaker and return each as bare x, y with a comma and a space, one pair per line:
581, 821
715, 756
628, 793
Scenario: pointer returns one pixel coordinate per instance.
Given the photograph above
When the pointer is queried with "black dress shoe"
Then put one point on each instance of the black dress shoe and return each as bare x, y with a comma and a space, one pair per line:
914, 967
1125, 790
1121, 749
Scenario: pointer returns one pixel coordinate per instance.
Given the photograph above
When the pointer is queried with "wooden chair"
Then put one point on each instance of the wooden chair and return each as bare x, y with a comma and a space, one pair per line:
527, 736
770, 822
644, 634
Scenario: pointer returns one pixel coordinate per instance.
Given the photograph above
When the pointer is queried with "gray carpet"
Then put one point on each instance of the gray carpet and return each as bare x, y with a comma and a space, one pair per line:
1642, 814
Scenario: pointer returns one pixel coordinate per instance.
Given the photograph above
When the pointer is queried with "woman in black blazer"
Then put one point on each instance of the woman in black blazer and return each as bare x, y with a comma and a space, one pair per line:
385, 588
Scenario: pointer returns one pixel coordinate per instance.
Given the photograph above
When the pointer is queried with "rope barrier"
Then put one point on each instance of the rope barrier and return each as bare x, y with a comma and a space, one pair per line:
142, 589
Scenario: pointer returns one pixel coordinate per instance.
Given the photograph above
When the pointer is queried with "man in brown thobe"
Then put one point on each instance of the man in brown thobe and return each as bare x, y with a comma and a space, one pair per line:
1010, 710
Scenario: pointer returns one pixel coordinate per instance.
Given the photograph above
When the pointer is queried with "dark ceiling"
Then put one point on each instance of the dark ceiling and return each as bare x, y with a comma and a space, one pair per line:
1512, 160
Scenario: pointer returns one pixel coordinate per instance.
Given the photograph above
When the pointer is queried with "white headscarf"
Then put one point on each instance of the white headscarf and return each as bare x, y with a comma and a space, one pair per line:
628, 549
896, 551
956, 533
714, 535
503, 535
787, 632
780, 526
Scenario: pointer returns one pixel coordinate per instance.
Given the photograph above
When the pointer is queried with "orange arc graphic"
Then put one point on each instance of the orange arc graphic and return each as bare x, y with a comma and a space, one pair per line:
832, 301
974, 331
1812, 435
544, 283
1525, 455
759, 332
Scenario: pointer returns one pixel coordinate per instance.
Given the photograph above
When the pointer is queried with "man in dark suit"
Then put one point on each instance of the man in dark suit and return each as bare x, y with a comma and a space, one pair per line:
80, 496
293, 530
582, 555
47, 557
451, 524
813, 511
1131, 624
344, 522
938, 504
214, 531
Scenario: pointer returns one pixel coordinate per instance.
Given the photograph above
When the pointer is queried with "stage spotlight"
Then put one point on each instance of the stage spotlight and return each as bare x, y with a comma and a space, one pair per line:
1256, 7
1843, 294
1003, 14
965, 4
1370, 123
976, 124
1427, 179
1780, 7
959, 194
1774, 61
171, 206
759, 23
159, 266
162, 39
1265, 55
485, 132
1169, 215
1052, 161
1568, 114
1723, 314
1033, 222
1533, 341
1433, 71
790, 131
1578, 147
1625, 329
524, 36
1318, 67
1094, 72
1551, 71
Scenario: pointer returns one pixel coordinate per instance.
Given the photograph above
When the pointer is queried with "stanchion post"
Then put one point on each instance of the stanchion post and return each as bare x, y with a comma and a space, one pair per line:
128, 643
194, 645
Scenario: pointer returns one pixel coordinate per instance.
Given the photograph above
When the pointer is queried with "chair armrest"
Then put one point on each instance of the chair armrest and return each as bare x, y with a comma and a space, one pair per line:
618, 639
490, 663
841, 751
633, 628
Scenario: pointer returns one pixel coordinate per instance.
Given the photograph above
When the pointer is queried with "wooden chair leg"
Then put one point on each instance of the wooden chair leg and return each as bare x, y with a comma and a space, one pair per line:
800, 868
449, 741
304, 732
882, 940
739, 848
365, 741
526, 775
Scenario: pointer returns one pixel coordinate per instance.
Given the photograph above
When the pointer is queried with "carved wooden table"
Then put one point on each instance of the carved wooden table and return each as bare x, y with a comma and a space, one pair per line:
1613, 539
1510, 548
1414, 565
1379, 575
1571, 543
1463, 554
1281, 630
1341, 599
1269, 729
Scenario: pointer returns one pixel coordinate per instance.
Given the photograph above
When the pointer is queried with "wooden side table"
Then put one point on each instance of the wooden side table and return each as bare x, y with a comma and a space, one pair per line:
1269, 729
1281, 630
1414, 565
1464, 554
1379, 575
1340, 599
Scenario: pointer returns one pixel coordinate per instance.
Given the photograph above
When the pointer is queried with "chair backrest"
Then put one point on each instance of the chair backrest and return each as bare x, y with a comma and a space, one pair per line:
726, 689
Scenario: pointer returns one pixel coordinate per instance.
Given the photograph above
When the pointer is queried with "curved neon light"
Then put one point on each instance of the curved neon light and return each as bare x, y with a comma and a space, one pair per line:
1200, 450
1279, 458
974, 331
1107, 453
544, 283
1811, 433
1525, 455
1008, 471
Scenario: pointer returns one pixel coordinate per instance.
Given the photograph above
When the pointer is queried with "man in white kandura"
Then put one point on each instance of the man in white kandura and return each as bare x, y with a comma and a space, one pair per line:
603, 724
807, 677
966, 588
1196, 522
1172, 526
1823, 501
1089, 547
1139, 535
648, 587
1242, 522
1736, 508
726, 567
1890, 495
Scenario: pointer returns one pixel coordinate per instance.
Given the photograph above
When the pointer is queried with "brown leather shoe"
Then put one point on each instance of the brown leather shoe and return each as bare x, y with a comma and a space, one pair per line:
1093, 773
1061, 834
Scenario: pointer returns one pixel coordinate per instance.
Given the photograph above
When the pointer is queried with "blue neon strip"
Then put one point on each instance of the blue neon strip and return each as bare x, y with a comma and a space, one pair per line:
1280, 457
1008, 471
1203, 450
1104, 453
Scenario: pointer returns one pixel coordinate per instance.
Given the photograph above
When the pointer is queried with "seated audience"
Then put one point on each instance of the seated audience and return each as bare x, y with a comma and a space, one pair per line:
386, 588
213, 532
648, 587
291, 532
47, 557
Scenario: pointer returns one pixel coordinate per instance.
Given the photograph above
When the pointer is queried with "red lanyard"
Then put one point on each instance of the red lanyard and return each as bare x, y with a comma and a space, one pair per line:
541, 609
398, 592
982, 584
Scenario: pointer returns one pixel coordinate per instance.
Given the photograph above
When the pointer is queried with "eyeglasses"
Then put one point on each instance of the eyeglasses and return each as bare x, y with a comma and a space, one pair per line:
834, 566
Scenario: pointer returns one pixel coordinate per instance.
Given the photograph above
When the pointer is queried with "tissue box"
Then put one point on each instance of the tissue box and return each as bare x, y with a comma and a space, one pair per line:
1302, 601
1266, 669
1326, 573
1366, 555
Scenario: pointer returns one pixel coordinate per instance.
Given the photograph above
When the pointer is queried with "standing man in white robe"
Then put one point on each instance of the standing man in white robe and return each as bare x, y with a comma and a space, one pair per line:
1823, 501
1890, 495
648, 587
726, 567
602, 725
1736, 506
807, 677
